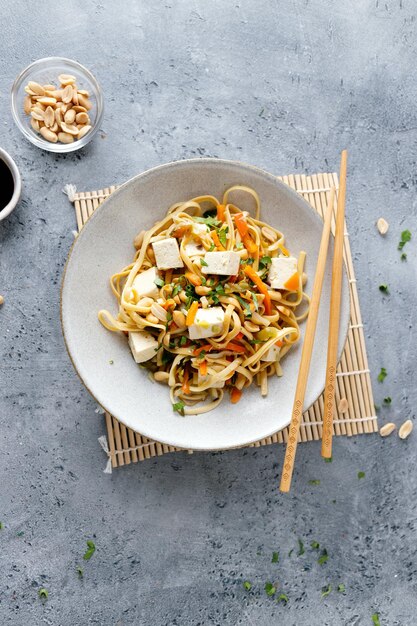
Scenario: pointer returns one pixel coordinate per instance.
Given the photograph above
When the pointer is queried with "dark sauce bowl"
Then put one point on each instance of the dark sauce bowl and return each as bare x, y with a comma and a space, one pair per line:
11, 184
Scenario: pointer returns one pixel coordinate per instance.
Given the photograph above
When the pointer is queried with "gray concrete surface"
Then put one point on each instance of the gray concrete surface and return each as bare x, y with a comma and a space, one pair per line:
285, 86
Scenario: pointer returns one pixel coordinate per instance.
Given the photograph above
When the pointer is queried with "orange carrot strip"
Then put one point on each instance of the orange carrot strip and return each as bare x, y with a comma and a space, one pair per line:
241, 224
263, 288
203, 368
249, 244
235, 395
206, 348
293, 282
235, 347
239, 336
216, 240
192, 312
180, 231
220, 212
185, 384
193, 278
279, 343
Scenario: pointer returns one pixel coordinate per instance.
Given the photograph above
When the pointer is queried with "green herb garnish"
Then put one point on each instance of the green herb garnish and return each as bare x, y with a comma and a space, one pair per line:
239, 246
403, 256
325, 591
1, 526
328, 460
300, 547
405, 236
361, 475
270, 589
341, 588
209, 221
323, 558
111, 362
247, 585
159, 282
315, 481
245, 305
91, 548
282, 598
290, 552
315, 545
382, 375
176, 290
179, 407
384, 288
20, 533
183, 340
80, 571
375, 619
275, 557
203, 263
222, 236
43, 593
212, 247
387, 400
265, 262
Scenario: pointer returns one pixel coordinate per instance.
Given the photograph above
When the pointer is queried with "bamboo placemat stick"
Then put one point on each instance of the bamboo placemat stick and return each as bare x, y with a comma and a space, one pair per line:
334, 322
307, 351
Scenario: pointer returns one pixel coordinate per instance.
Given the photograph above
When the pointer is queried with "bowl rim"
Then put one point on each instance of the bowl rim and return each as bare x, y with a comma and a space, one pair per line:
58, 148
17, 179
343, 332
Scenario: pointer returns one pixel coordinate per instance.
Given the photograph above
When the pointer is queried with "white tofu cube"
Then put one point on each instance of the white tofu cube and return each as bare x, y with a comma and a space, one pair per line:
282, 268
207, 323
222, 263
143, 346
167, 254
144, 284
271, 354
194, 249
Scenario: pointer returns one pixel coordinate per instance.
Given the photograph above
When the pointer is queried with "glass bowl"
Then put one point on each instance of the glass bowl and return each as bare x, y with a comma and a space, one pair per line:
46, 71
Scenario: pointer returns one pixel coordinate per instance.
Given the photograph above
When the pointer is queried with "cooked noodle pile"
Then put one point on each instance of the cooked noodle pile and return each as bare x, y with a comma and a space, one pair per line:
193, 325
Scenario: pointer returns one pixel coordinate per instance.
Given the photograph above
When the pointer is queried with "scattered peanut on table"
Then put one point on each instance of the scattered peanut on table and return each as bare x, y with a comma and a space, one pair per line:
58, 114
405, 429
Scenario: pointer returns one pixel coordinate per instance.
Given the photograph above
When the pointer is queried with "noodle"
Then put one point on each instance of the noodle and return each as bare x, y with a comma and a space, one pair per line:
259, 322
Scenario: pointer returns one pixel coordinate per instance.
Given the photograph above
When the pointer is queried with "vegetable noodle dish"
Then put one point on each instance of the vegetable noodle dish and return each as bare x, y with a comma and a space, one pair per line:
209, 303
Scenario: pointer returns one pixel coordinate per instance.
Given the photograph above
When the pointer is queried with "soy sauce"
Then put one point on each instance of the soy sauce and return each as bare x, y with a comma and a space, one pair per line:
6, 184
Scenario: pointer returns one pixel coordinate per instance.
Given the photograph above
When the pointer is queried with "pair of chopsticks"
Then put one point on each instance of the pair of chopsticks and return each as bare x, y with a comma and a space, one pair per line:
335, 298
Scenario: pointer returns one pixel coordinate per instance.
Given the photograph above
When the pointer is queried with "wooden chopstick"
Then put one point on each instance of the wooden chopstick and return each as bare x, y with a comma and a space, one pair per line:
335, 298
310, 332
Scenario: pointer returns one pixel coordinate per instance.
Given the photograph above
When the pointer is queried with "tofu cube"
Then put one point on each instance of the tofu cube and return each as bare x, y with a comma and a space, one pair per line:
207, 323
144, 284
221, 263
271, 355
282, 268
167, 254
194, 249
143, 346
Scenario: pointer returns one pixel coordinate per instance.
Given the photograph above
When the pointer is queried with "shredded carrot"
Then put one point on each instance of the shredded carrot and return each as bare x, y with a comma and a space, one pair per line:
293, 282
185, 384
235, 395
239, 336
241, 224
220, 212
203, 368
263, 288
235, 347
193, 278
216, 240
279, 343
180, 231
247, 240
192, 312
205, 348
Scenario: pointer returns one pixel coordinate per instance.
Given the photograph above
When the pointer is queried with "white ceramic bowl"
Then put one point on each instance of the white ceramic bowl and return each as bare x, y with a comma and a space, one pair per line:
105, 245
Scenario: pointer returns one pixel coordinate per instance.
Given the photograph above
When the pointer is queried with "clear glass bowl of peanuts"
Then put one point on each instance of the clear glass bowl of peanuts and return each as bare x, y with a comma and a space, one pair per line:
57, 104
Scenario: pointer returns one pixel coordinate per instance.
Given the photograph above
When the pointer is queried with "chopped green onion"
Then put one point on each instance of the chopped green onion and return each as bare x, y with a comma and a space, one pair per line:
341, 588
387, 400
222, 236
315, 545
323, 558
247, 585
80, 572
270, 589
314, 482
300, 547
384, 288
382, 375
265, 261
43, 593
183, 340
361, 475
375, 619
275, 557
328, 460
159, 282
179, 407
91, 548
325, 591
405, 236
203, 263
283, 598
403, 256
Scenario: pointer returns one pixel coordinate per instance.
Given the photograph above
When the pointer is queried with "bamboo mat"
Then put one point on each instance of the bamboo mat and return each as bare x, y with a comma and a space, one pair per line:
354, 416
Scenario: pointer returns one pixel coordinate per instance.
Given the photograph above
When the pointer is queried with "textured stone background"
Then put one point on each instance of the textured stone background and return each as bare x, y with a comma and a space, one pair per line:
285, 86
